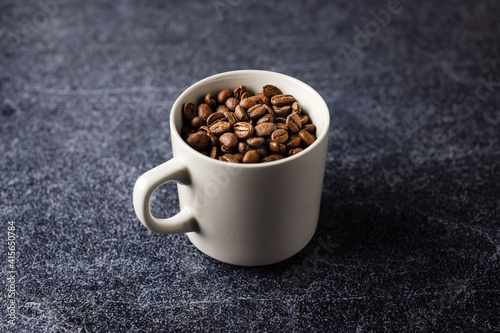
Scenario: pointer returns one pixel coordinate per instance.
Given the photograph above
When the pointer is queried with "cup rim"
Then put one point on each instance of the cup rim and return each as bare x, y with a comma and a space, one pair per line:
215, 77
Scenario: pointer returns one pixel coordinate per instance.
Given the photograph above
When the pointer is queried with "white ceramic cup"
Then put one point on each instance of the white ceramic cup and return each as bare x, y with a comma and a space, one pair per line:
242, 214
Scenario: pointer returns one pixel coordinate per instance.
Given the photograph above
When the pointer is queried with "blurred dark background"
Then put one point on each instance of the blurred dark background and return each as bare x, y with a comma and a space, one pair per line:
408, 237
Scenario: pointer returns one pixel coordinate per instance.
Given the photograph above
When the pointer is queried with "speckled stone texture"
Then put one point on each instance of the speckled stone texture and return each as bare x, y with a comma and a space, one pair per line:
408, 237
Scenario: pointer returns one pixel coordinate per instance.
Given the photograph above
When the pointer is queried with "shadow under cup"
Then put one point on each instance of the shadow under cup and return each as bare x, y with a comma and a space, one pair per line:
252, 214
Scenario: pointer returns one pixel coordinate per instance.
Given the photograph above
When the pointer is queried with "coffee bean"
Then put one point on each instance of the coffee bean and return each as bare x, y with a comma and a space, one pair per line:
210, 100
239, 90
214, 152
222, 108
310, 128
240, 113
264, 99
229, 158
279, 136
223, 95
198, 140
294, 151
277, 148
204, 110
189, 111
239, 156
228, 139
282, 99
281, 126
264, 129
231, 103
256, 142
220, 127
251, 156
267, 118
296, 108
231, 118
293, 142
262, 152
306, 137
247, 103
282, 111
246, 94
243, 147
243, 130
257, 111
273, 157
215, 117
186, 131
226, 149
304, 119
197, 122
293, 122
269, 91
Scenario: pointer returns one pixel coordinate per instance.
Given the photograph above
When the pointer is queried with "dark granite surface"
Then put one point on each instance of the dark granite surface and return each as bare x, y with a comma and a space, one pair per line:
408, 237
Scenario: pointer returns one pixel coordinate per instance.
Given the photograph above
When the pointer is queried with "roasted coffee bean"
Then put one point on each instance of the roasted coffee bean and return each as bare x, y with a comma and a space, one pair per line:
256, 142
215, 117
228, 139
306, 137
231, 103
280, 136
262, 152
269, 91
267, 118
229, 158
198, 140
310, 128
247, 103
251, 156
231, 118
264, 99
294, 151
226, 149
220, 127
223, 95
282, 99
240, 113
204, 110
243, 147
257, 111
214, 152
197, 122
293, 142
243, 130
222, 108
239, 90
246, 94
304, 119
277, 148
273, 157
189, 111
282, 111
186, 131
211, 100
264, 129
214, 140
293, 122
239, 156
296, 108
281, 126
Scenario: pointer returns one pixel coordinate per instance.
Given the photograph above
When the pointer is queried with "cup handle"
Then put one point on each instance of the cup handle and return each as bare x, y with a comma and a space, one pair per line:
172, 170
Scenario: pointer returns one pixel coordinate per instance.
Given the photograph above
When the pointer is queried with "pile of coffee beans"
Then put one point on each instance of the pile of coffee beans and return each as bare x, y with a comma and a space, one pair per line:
237, 126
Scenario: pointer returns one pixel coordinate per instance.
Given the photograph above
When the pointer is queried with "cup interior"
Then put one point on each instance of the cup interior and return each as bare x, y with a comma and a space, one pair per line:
311, 102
